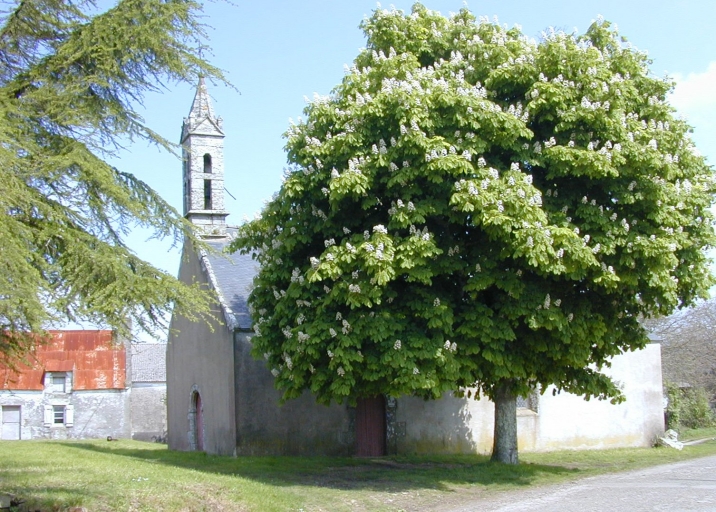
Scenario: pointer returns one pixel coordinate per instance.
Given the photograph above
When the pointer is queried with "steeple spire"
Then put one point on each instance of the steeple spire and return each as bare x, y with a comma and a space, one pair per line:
201, 108
202, 141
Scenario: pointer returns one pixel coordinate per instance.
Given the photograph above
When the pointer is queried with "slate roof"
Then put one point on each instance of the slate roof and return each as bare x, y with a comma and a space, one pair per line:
149, 362
95, 360
232, 276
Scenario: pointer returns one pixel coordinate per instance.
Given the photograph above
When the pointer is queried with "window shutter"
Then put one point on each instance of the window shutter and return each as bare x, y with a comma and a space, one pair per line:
49, 416
68, 382
69, 415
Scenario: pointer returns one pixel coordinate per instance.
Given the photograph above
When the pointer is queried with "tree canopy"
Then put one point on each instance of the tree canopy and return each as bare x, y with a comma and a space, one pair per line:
69, 86
472, 209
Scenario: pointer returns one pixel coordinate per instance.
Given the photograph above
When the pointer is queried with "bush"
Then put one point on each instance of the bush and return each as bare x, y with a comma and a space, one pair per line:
688, 408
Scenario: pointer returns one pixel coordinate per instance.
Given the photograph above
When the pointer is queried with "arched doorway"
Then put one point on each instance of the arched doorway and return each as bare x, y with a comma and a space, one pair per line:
196, 422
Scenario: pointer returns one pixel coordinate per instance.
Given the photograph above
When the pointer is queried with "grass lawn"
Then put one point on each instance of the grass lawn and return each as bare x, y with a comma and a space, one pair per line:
134, 476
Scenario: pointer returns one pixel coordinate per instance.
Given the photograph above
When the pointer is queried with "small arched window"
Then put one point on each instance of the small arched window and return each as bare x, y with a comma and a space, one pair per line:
207, 194
207, 163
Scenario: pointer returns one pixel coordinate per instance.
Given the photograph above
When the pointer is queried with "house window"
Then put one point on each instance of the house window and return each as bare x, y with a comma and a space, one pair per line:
58, 414
529, 402
207, 163
57, 382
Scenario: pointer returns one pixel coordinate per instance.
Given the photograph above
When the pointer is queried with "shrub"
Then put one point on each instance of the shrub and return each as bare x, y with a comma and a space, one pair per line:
688, 408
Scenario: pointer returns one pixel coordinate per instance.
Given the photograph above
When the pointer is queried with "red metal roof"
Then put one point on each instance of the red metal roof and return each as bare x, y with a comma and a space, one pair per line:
95, 360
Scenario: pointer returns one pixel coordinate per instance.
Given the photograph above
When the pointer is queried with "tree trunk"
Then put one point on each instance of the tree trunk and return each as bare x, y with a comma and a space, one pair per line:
504, 448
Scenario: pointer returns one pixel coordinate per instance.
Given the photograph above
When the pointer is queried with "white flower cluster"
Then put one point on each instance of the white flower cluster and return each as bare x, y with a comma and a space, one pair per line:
312, 141
517, 111
536, 199
302, 336
380, 149
318, 213
397, 345
594, 105
296, 276
452, 347
353, 288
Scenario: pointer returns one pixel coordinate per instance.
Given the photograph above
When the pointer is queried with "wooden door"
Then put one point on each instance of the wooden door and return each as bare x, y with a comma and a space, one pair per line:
199, 425
370, 427
10, 422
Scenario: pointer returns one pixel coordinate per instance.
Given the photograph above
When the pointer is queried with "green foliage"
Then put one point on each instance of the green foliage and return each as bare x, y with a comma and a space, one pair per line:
688, 408
673, 405
472, 208
68, 83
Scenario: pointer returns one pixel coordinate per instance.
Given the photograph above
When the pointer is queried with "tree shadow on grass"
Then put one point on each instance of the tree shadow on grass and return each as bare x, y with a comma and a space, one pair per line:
394, 474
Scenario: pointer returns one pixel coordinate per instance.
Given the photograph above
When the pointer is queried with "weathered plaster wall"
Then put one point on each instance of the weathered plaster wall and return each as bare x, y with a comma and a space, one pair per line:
97, 414
31, 411
149, 411
148, 400
298, 427
100, 413
564, 421
568, 421
203, 362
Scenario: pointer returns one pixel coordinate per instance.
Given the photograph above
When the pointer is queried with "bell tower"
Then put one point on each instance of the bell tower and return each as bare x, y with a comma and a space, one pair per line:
202, 141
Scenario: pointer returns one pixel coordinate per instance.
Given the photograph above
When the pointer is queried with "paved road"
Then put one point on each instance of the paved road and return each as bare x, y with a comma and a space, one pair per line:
676, 487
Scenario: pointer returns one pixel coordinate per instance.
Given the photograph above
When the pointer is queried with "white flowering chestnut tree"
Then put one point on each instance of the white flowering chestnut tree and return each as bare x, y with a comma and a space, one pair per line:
476, 212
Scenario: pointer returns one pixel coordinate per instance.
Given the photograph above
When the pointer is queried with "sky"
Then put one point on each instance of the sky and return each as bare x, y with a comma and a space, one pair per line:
276, 52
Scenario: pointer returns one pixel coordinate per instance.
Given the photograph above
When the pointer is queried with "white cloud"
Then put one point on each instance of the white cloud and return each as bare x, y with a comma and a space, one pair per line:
696, 90
695, 98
